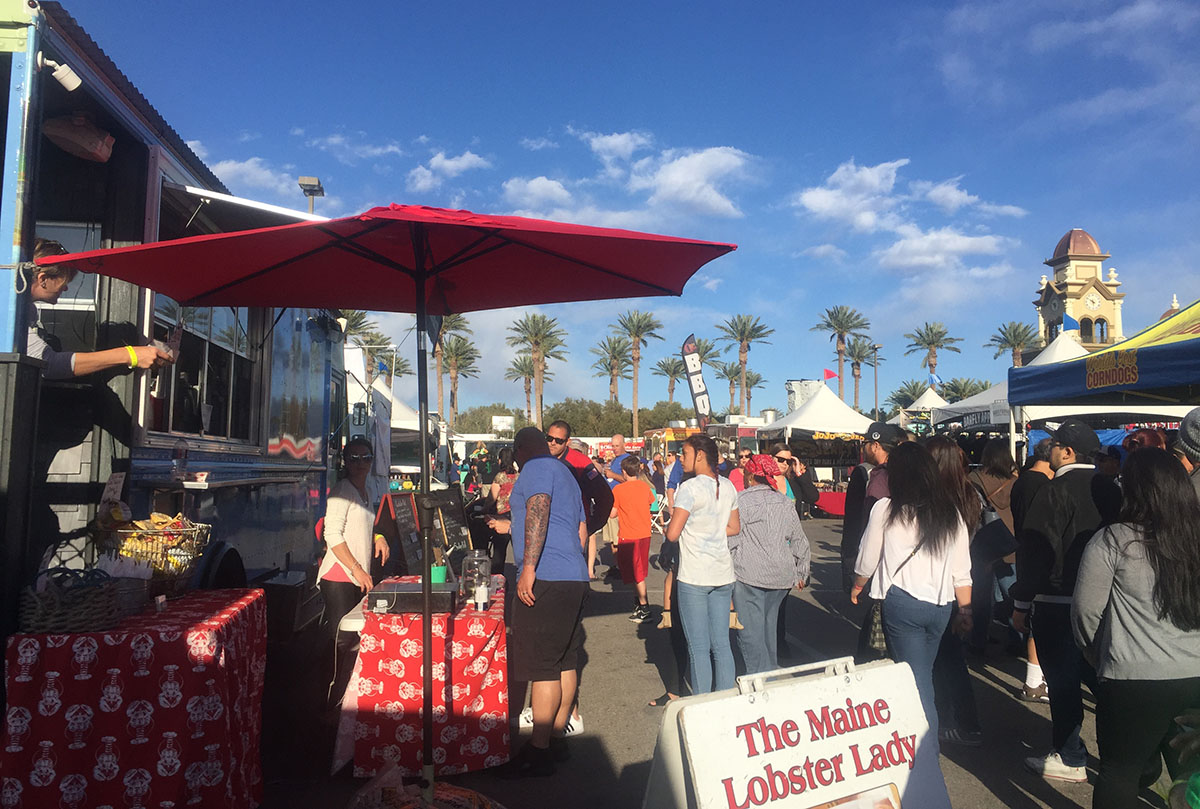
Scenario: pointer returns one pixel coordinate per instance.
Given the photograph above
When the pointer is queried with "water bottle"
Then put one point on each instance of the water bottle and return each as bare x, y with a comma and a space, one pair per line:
179, 461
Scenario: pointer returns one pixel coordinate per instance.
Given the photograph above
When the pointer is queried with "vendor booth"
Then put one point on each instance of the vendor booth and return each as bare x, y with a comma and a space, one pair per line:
824, 432
1157, 366
917, 417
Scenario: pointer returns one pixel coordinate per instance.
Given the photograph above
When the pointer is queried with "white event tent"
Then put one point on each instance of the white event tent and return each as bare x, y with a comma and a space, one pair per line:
824, 412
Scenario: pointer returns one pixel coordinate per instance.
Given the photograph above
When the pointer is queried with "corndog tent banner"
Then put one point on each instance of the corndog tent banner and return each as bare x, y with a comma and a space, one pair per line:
1158, 364
854, 738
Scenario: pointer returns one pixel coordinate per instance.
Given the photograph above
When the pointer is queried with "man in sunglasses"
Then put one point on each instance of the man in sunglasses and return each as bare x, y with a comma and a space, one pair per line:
597, 496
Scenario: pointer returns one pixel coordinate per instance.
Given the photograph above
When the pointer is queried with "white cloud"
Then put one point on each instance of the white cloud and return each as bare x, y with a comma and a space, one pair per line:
829, 251
859, 196
950, 198
198, 148
690, 181
255, 175
296, 132
245, 136
349, 151
614, 149
937, 249
535, 193
1143, 17
537, 144
454, 166
421, 180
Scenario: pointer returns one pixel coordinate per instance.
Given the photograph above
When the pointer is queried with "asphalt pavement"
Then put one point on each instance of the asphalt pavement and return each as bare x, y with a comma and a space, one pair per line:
610, 760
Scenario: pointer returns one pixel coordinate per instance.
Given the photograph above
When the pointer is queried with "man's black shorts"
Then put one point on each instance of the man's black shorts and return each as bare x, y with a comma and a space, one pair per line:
546, 638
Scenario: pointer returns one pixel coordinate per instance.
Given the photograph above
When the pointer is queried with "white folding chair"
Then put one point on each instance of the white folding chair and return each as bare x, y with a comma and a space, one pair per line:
658, 514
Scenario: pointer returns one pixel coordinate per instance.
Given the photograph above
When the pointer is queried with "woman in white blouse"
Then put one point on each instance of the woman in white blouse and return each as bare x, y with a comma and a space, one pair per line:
349, 536
916, 547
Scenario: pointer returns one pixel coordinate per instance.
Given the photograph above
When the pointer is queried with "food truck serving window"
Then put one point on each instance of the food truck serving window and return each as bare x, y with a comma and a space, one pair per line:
210, 389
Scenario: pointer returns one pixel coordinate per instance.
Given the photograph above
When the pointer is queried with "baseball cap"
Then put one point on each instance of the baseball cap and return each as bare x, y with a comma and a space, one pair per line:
1078, 436
884, 433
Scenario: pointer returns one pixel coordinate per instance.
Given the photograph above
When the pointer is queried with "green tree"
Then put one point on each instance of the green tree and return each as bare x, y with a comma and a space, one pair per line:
522, 368
709, 352
908, 392
451, 324
743, 331
382, 349
730, 372
754, 380
842, 322
931, 338
860, 353
358, 325
638, 327
613, 362
1015, 337
662, 413
589, 417
673, 369
961, 388
460, 356
479, 419
544, 340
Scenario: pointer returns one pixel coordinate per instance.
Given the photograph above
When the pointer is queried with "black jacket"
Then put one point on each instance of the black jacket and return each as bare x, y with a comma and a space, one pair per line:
1063, 516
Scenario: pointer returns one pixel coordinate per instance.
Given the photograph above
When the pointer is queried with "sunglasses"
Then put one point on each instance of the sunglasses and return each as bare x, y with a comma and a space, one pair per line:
551, 439
783, 460
747, 456
357, 457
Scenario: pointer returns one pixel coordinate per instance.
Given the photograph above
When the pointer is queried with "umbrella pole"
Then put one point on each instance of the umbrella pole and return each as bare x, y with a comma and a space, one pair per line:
426, 530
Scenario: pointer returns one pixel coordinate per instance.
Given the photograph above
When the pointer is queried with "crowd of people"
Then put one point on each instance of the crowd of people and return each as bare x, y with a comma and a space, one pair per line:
1093, 577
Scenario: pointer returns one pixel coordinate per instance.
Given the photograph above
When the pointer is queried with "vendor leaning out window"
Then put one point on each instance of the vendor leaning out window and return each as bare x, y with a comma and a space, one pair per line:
46, 284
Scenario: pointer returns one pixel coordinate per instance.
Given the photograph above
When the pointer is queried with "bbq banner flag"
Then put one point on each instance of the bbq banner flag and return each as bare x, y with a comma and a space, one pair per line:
695, 376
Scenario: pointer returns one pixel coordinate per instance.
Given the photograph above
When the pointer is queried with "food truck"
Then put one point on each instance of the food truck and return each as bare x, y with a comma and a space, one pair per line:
237, 433
668, 439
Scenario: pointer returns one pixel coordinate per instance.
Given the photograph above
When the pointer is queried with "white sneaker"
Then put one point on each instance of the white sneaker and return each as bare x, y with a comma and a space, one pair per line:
525, 720
1052, 766
574, 725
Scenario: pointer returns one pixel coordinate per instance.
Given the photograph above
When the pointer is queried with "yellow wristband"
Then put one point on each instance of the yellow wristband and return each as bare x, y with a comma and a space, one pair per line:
132, 357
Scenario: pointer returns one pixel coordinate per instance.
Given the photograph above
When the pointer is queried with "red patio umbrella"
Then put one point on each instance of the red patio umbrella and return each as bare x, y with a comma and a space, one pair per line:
408, 258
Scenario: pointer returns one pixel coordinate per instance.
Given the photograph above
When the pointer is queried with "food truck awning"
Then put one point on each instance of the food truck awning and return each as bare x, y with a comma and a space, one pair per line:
228, 213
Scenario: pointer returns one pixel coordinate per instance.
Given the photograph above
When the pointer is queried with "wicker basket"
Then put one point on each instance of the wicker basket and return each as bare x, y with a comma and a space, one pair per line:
172, 553
72, 601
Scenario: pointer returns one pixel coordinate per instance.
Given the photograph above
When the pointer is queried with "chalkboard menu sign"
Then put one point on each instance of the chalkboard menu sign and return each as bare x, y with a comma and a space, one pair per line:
399, 521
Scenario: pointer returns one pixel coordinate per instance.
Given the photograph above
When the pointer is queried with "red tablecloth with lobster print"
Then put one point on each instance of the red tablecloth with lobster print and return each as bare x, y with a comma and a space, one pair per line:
163, 710
381, 712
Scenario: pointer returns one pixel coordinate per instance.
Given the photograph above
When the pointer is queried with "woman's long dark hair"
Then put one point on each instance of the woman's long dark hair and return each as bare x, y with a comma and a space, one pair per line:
506, 461
918, 493
996, 460
951, 467
1159, 499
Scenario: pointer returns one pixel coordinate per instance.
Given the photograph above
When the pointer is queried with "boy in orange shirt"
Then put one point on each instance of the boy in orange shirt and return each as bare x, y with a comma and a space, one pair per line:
632, 499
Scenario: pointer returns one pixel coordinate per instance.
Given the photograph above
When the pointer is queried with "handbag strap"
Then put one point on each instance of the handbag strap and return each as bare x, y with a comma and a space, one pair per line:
908, 558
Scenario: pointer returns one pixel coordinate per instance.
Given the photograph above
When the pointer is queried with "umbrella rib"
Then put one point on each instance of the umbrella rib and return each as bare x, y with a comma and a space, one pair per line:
290, 260
508, 240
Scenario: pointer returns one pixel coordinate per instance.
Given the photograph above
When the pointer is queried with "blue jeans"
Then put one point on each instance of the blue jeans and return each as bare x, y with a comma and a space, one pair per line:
914, 630
758, 610
705, 612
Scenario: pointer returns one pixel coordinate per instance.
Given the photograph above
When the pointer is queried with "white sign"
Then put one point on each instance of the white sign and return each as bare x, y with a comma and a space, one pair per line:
851, 740
1000, 412
503, 424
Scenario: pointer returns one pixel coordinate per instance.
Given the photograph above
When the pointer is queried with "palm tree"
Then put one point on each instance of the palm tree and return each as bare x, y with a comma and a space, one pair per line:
730, 372
378, 348
860, 353
742, 331
460, 356
1013, 336
358, 326
545, 340
842, 322
451, 324
522, 368
638, 327
960, 388
613, 362
674, 370
709, 352
909, 391
929, 338
753, 380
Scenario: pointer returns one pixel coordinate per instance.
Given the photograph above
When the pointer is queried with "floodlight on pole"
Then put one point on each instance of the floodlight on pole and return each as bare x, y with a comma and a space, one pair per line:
312, 189
875, 348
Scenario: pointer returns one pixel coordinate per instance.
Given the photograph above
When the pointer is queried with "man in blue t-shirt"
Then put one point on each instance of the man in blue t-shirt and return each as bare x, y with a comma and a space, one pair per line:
549, 534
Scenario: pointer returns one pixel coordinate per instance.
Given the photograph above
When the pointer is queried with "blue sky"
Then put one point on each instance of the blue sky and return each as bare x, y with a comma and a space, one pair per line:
915, 161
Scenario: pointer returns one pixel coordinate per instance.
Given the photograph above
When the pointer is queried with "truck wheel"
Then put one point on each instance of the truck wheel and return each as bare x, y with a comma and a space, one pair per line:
223, 569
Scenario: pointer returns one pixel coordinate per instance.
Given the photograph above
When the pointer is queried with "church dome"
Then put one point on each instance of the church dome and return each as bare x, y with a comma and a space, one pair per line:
1076, 242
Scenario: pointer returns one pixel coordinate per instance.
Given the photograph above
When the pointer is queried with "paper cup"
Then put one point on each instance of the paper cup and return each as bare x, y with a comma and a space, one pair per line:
437, 574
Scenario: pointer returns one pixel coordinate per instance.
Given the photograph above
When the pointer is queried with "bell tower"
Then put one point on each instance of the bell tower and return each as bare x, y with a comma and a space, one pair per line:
1079, 289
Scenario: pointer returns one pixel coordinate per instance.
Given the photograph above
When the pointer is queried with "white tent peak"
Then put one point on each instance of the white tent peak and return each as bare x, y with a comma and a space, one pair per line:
927, 401
1062, 347
824, 412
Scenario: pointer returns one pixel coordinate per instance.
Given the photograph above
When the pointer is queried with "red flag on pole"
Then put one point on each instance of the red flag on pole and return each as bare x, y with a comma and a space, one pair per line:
830, 374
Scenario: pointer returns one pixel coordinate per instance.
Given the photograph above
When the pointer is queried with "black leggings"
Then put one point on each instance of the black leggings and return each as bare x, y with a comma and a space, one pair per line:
340, 598
1134, 721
